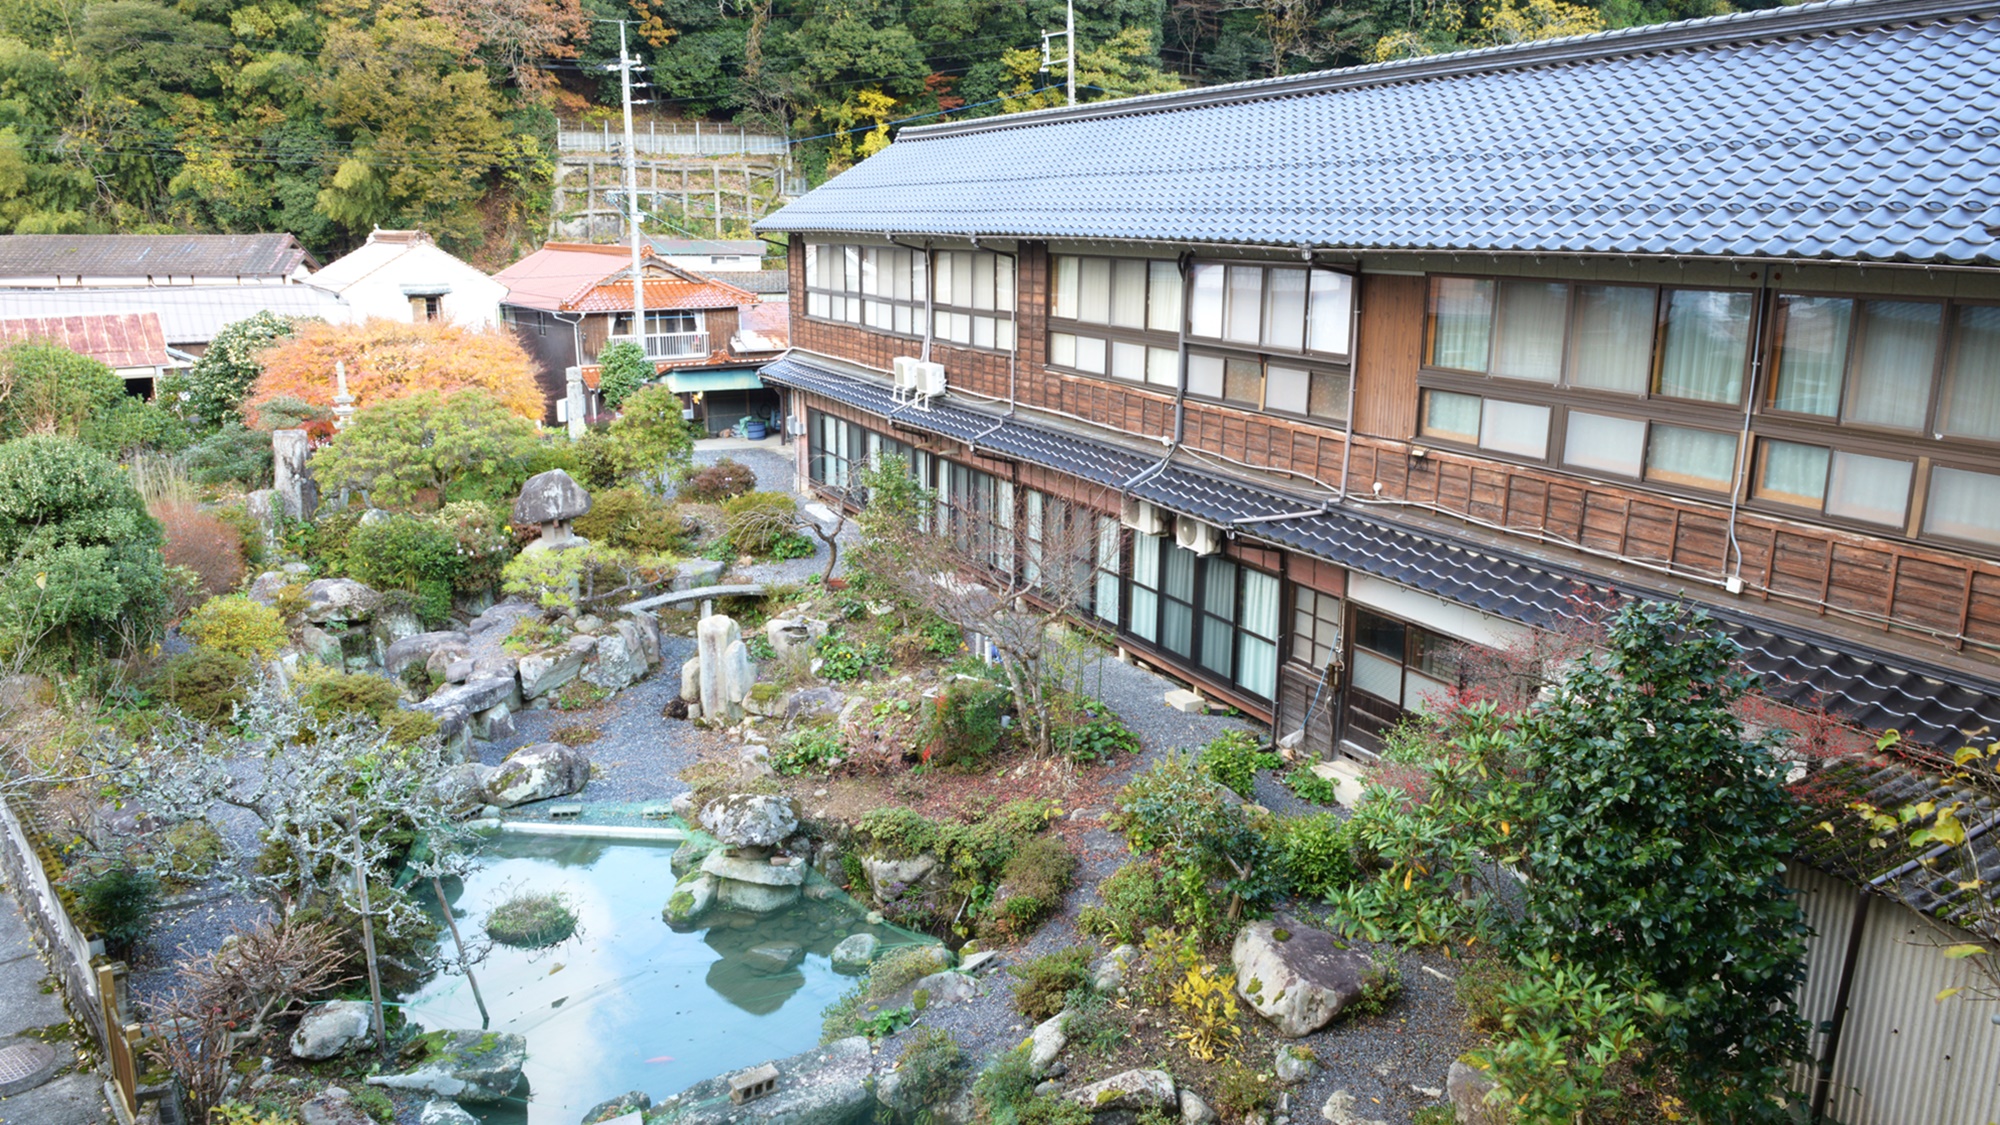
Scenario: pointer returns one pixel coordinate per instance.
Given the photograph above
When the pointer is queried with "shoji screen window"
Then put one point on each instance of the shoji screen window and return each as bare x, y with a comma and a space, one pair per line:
973, 298
1116, 317
1271, 338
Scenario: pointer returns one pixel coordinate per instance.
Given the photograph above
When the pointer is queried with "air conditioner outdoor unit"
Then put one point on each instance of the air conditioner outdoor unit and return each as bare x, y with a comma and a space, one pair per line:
1142, 517
903, 373
1194, 535
929, 379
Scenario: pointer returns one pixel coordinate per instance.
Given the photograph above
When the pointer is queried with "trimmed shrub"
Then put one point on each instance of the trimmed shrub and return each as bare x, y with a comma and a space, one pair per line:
633, 519
234, 454
1233, 759
757, 522
532, 920
1032, 885
358, 693
1319, 853
236, 625
413, 553
206, 684
119, 905
1135, 899
485, 543
724, 480
622, 370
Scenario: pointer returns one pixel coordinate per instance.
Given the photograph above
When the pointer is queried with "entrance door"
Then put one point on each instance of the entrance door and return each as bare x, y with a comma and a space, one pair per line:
1394, 668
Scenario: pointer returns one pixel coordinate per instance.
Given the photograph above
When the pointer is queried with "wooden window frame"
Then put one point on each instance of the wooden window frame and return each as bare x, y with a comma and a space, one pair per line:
915, 303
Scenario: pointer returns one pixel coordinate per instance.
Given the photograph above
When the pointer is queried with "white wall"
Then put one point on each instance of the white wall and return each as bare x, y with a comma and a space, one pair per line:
474, 299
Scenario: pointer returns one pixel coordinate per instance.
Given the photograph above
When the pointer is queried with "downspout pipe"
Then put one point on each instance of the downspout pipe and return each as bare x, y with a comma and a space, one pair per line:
1186, 264
1013, 349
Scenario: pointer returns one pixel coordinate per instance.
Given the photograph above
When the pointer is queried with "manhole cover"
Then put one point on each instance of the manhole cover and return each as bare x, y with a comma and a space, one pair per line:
25, 1065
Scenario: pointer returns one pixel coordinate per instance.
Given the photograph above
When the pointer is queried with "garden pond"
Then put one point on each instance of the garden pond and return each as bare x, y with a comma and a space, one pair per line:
626, 1003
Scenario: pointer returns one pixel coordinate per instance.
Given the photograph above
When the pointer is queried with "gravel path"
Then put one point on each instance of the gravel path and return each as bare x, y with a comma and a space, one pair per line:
775, 471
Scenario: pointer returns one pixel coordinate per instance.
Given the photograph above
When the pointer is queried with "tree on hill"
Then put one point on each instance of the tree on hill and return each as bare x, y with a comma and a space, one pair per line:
387, 360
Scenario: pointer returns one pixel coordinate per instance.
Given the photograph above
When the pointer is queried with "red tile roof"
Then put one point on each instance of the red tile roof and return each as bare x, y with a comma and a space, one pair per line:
117, 340
661, 293
575, 277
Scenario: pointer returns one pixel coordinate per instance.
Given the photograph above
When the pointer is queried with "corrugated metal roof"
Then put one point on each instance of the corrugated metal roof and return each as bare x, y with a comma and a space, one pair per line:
151, 255
116, 340
1845, 130
188, 314
1879, 691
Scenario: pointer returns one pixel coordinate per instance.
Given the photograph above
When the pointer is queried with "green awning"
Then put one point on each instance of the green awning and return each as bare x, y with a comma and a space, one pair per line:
689, 382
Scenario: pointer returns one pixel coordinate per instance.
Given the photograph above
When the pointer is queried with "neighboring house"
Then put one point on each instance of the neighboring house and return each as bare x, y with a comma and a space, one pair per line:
131, 344
48, 261
190, 316
402, 275
707, 255
1343, 376
569, 301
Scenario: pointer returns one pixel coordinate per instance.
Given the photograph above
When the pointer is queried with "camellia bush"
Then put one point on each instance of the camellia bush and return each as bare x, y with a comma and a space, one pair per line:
211, 393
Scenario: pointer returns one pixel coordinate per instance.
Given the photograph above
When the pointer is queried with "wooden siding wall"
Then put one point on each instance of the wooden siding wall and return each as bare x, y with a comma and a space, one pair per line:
1950, 599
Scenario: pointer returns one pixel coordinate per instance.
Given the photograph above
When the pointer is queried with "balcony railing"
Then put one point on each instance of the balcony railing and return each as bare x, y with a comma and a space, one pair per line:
672, 345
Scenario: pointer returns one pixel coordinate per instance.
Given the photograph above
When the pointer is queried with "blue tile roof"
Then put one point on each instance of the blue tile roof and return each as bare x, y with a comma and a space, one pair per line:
1854, 130
1879, 691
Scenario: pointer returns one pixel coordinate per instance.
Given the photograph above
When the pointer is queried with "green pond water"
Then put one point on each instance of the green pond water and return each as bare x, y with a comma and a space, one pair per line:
627, 1003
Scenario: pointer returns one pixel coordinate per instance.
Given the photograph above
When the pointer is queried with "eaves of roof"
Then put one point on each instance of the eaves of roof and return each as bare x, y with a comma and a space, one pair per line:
1930, 705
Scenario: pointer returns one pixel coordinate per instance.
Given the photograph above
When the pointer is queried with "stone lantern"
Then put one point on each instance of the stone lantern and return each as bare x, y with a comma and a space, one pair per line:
552, 500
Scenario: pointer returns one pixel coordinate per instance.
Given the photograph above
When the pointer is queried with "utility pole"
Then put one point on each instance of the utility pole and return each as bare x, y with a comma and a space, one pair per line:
626, 65
1068, 35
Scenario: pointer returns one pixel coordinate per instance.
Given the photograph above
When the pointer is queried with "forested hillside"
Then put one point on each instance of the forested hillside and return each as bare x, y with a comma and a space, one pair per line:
328, 119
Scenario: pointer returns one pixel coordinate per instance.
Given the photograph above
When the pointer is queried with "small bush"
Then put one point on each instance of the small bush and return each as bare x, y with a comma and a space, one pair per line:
1309, 786
809, 750
1204, 1003
757, 522
844, 661
1135, 900
724, 480
898, 831
633, 519
238, 626
1032, 884
119, 905
1044, 983
1007, 1084
485, 543
622, 370
205, 684
932, 1067
1319, 854
358, 693
203, 542
1099, 740
1240, 1091
899, 968
234, 454
1233, 758
1380, 991
532, 920
963, 728
408, 552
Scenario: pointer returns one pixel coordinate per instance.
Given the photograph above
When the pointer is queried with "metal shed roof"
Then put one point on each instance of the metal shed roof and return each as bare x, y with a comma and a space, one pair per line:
1852, 130
1929, 705
34, 256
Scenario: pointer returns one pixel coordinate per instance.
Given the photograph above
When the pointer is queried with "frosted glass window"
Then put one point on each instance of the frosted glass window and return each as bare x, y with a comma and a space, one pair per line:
1514, 427
1205, 307
1285, 309
1461, 322
1003, 282
1894, 362
1093, 303
1961, 505
1875, 489
1813, 358
1128, 293
1204, 373
1246, 304
1003, 334
1128, 361
1453, 416
1708, 335
1332, 308
1790, 473
1066, 283
1243, 381
871, 271
1329, 395
817, 304
903, 319
1528, 339
812, 265
1694, 458
1613, 346
1062, 349
945, 271
1287, 388
982, 332
1163, 309
1090, 354
851, 268
906, 265
1379, 676
1163, 367
1603, 443
1972, 404
982, 281
961, 278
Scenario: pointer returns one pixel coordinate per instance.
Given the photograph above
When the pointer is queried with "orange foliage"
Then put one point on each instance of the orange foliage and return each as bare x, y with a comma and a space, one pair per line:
201, 542
388, 359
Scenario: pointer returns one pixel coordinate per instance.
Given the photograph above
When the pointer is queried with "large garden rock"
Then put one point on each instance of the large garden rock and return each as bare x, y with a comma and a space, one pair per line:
643, 630
633, 1101
808, 704
471, 1066
1134, 1090
545, 671
478, 694
391, 624
438, 1111
340, 600
691, 680
1046, 1043
754, 885
537, 773
333, 1106
949, 987
1297, 977
321, 647
855, 953
828, 1085
463, 786
617, 663
333, 1028
750, 820
1466, 1087
888, 876
417, 649
713, 638
739, 674
690, 900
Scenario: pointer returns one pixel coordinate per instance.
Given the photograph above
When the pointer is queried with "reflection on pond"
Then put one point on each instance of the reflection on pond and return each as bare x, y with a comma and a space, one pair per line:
628, 1004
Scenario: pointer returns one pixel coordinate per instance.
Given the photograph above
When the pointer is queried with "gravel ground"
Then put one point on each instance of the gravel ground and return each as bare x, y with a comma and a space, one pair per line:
775, 469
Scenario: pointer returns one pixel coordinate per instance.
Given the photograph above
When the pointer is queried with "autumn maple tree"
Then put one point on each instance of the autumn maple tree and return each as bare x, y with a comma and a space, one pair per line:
388, 359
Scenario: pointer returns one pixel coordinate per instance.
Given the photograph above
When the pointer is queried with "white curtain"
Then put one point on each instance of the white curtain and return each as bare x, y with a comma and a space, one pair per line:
1128, 293
1973, 409
1961, 505
1332, 304
1256, 637
1893, 366
1093, 303
1875, 489
1613, 350
1697, 458
1205, 307
982, 280
1814, 355
1461, 322
1219, 607
1163, 311
1246, 303
1528, 343
1205, 375
1105, 604
1708, 335
1145, 622
1285, 310
1003, 282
